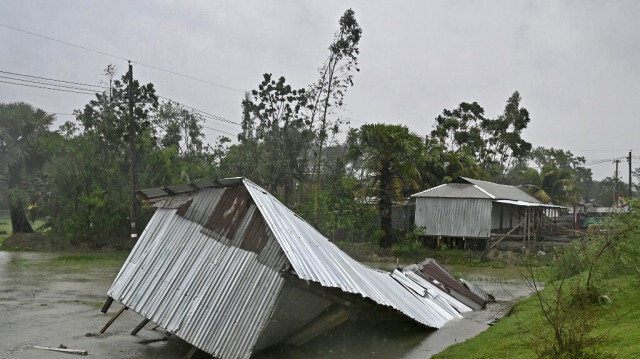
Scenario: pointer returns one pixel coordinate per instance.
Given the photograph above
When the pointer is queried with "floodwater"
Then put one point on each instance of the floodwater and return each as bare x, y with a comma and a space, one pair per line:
46, 302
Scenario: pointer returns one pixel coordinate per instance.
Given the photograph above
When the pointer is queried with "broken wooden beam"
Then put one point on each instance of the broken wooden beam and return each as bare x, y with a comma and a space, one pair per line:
64, 350
113, 318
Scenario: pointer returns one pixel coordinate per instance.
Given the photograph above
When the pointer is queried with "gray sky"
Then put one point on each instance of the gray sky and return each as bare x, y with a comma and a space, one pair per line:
575, 63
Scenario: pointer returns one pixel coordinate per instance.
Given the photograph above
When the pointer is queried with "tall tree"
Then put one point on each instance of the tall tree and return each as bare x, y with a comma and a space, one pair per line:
180, 128
391, 155
336, 76
21, 126
273, 121
505, 142
494, 144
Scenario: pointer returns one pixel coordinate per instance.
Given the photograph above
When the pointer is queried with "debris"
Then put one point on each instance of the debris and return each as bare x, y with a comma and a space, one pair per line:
64, 350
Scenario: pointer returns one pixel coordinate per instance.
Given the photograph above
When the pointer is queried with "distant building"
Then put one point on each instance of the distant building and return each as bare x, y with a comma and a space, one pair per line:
468, 208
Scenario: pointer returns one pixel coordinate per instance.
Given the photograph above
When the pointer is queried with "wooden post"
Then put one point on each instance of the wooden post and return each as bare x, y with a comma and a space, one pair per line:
106, 305
140, 326
191, 352
113, 318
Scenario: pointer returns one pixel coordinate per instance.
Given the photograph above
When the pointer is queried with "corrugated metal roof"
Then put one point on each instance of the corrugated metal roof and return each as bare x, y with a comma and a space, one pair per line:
463, 187
454, 190
315, 258
501, 191
208, 267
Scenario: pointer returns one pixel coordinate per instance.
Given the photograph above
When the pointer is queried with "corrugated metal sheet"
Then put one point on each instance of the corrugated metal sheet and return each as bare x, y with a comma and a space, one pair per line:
478, 291
196, 284
463, 187
455, 217
454, 190
314, 258
433, 271
208, 268
500, 191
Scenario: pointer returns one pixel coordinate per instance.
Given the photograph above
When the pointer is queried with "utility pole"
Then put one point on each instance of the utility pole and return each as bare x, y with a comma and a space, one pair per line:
615, 186
629, 160
132, 159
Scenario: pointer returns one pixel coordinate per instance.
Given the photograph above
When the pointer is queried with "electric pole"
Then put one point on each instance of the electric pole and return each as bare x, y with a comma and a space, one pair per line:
132, 159
629, 160
615, 186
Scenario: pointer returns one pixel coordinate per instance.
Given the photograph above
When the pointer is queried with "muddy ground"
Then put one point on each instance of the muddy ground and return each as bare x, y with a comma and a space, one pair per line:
46, 302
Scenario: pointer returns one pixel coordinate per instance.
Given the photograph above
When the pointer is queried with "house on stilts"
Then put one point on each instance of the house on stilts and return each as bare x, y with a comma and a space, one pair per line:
228, 268
469, 212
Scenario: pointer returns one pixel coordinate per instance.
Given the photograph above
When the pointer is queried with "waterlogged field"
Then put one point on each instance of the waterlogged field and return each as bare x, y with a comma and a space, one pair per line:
49, 299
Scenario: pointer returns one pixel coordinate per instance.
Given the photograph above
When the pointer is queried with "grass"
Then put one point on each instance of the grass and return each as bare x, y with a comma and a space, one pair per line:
618, 321
5, 226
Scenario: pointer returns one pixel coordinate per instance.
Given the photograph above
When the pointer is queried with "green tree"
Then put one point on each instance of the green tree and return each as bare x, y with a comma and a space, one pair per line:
558, 178
494, 144
391, 155
506, 146
180, 128
21, 127
273, 121
88, 177
336, 76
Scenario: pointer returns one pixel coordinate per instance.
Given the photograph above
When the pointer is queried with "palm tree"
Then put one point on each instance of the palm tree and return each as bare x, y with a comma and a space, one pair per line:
20, 126
391, 156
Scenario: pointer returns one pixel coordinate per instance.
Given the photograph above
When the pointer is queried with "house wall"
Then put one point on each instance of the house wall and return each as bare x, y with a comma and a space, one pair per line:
454, 217
510, 216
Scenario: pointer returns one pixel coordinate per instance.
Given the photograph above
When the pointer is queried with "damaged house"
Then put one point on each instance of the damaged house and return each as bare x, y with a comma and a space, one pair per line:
228, 268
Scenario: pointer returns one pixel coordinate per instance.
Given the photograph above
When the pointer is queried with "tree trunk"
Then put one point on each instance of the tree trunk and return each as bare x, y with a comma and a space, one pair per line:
19, 221
385, 206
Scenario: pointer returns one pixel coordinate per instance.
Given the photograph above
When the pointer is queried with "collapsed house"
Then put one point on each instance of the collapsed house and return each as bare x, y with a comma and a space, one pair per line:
228, 268
469, 208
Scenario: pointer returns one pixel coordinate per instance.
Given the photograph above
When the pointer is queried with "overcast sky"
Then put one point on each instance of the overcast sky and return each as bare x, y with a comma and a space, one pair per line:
575, 63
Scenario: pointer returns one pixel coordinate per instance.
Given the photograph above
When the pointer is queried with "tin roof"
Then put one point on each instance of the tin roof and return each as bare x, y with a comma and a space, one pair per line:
209, 267
463, 187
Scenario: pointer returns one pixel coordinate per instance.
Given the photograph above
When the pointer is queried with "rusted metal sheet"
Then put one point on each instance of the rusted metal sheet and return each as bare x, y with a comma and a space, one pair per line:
213, 264
438, 275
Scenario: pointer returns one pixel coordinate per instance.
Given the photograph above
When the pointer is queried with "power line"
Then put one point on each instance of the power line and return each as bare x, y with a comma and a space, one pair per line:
212, 116
215, 129
46, 83
121, 58
47, 88
50, 79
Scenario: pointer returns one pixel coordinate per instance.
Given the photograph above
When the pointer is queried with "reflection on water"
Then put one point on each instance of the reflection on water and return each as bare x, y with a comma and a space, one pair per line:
372, 334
